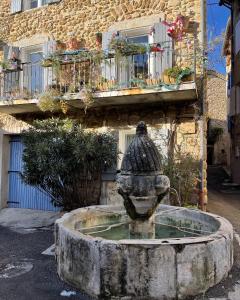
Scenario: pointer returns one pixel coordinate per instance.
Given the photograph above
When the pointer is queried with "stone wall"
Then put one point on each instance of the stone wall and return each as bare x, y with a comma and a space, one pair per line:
217, 115
87, 17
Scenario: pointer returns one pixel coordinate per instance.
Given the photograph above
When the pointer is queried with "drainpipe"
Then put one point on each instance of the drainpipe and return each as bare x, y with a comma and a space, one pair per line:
202, 120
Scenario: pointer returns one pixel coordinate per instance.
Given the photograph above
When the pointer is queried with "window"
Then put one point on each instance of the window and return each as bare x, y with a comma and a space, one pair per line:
140, 62
134, 67
30, 4
34, 3
125, 139
20, 5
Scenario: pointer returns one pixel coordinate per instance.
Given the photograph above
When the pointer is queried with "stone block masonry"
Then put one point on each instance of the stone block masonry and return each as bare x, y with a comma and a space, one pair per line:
87, 17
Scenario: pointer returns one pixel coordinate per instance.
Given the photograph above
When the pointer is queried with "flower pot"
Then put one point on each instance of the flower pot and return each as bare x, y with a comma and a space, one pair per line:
187, 78
168, 79
73, 44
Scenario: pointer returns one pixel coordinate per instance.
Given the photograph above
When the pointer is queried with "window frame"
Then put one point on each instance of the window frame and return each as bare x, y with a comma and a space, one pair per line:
122, 143
26, 4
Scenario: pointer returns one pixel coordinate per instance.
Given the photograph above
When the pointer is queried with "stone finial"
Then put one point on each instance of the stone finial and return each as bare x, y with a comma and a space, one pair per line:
142, 155
141, 183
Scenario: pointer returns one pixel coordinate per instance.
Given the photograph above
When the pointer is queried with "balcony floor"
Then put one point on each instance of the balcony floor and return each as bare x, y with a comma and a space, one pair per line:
185, 92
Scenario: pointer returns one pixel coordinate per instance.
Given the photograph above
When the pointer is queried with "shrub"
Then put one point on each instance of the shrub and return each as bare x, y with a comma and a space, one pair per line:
67, 161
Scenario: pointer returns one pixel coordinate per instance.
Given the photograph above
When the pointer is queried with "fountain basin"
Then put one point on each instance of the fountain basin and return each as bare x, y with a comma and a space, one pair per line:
96, 253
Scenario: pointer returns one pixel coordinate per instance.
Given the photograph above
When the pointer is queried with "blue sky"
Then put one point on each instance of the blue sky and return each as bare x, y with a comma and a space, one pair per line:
217, 17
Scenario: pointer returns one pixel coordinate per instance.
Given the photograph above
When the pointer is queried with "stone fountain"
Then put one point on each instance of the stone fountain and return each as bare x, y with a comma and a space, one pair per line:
142, 251
141, 183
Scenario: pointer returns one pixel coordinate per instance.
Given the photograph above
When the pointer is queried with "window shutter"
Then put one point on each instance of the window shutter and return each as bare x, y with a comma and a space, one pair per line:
49, 48
161, 61
13, 52
108, 66
6, 50
49, 77
16, 6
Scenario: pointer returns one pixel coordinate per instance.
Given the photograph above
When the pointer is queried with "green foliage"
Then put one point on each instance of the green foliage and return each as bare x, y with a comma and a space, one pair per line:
183, 172
178, 73
67, 161
124, 48
49, 100
182, 168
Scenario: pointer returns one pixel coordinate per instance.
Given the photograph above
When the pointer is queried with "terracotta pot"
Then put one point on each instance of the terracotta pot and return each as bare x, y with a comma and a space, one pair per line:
61, 46
73, 44
187, 78
168, 79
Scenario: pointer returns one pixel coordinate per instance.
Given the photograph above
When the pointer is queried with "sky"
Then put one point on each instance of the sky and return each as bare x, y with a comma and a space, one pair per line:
217, 17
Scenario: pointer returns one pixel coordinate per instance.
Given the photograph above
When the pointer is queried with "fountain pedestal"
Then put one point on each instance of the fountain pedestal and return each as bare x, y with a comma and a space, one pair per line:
142, 229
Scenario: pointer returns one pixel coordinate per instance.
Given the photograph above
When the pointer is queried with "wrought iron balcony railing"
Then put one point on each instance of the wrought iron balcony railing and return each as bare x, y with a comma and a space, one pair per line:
71, 72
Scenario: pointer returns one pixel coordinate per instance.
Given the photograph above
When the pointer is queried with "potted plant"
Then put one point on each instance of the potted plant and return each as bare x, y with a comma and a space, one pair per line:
176, 75
72, 43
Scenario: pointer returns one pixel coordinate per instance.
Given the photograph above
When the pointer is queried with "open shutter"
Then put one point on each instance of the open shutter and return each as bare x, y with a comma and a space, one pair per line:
49, 77
108, 66
13, 52
6, 50
16, 6
161, 61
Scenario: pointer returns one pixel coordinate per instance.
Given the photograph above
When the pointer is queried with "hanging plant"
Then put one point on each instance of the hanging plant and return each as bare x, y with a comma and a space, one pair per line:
49, 100
86, 95
177, 28
124, 48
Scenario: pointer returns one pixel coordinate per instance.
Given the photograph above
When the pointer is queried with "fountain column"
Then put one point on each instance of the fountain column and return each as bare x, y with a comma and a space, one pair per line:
141, 182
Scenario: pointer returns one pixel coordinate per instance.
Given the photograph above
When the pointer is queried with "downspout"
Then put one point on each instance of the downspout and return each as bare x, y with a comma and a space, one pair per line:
202, 119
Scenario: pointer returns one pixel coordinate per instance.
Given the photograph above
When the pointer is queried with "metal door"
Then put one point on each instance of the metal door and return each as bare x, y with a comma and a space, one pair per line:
21, 195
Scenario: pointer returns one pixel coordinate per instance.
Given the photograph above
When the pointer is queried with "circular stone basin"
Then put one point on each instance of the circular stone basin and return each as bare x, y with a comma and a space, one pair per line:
189, 252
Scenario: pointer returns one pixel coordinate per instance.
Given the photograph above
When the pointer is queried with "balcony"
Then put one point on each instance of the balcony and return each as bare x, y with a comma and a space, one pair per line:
109, 79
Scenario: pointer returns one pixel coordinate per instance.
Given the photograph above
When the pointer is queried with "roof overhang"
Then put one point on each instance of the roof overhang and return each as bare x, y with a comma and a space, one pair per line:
226, 49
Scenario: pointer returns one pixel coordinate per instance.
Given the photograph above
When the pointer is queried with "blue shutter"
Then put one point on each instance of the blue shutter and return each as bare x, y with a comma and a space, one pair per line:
108, 66
6, 50
48, 49
16, 6
165, 60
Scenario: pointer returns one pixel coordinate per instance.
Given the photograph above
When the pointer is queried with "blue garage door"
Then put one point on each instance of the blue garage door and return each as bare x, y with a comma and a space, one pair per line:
21, 195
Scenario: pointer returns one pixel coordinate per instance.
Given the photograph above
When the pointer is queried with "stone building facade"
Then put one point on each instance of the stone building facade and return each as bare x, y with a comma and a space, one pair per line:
231, 50
31, 25
217, 107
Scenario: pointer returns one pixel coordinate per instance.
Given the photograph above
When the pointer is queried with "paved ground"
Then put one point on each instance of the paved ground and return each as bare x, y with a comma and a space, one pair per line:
26, 274
20, 219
